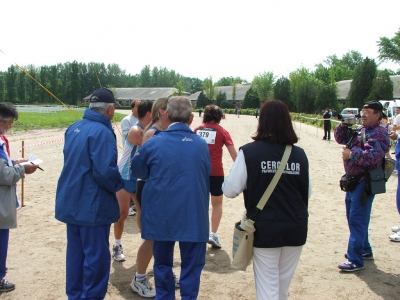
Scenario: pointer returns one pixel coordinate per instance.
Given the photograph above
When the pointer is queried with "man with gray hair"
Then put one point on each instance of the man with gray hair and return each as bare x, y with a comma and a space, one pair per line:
85, 197
176, 164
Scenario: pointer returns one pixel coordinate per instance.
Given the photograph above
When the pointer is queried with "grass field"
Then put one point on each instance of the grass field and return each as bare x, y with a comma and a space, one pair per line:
60, 119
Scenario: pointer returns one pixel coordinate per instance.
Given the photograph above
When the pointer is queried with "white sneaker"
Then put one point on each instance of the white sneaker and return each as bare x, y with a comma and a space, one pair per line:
118, 253
214, 241
396, 228
395, 237
131, 211
143, 288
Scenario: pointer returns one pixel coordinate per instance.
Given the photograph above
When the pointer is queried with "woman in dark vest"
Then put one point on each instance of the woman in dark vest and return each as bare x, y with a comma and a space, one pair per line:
281, 227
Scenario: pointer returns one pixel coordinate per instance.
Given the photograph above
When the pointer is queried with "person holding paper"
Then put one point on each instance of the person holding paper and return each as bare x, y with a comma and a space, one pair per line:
10, 173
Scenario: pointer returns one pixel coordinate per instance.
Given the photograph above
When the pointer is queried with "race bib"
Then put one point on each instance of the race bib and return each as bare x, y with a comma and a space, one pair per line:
208, 134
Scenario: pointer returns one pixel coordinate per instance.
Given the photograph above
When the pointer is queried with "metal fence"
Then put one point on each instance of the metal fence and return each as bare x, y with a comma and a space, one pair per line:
45, 109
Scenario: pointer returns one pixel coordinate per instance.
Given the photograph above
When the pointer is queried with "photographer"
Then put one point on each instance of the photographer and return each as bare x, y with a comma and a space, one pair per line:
356, 157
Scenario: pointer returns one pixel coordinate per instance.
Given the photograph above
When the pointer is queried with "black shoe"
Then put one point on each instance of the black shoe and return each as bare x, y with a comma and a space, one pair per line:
366, 256
6, 286
393, 152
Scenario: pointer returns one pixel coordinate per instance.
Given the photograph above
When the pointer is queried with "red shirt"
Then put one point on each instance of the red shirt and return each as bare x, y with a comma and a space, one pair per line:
216, 137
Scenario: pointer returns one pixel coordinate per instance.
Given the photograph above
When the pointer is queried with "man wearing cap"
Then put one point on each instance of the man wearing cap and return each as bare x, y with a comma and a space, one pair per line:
356, 158
85, 197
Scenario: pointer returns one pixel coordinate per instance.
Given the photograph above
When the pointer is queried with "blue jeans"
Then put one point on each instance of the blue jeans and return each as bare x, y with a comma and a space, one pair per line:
4, 235
358, 216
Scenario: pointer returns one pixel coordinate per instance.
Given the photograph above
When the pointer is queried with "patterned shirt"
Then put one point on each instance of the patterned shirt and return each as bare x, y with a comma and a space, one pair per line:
375, 146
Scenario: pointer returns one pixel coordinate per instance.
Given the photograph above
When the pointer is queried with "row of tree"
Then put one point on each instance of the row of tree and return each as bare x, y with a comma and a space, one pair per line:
303, 91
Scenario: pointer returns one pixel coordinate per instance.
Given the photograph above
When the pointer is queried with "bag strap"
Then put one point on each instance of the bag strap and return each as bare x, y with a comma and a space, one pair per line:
275, 179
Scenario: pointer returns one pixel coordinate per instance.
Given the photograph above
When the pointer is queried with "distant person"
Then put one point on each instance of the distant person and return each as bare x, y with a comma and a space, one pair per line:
396, 122
176, 166
327, 125
256, 113
238, 111
128, 121
85, 197
281, 226
134, 140
200, 111
11, 171
216, 137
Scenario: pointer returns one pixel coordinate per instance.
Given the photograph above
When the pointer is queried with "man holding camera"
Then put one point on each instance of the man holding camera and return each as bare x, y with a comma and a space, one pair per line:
357, 156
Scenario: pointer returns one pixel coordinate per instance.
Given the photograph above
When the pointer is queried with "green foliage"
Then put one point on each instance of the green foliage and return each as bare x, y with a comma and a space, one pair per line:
382, 87
327, 97
202, 100
389, 49
361, 85
251, 99
303, 89
11, 78
226, 104
282, 92
210, 88
227, 81
221, 96
179, 89
263, 84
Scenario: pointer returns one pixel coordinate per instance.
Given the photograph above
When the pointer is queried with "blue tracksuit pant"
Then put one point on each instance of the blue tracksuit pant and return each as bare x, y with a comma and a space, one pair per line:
4, 235
88, 261
193, 258
358, 216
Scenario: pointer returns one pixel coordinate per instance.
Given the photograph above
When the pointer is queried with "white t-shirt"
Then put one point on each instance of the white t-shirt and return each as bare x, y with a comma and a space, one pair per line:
397, 122
126, 124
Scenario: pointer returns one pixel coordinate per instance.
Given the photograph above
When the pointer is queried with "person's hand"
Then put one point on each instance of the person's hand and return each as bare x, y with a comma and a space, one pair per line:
29, 168
346, 153
393, 135
18, 161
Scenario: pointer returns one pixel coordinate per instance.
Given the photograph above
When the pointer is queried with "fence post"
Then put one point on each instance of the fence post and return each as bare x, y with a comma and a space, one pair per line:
22, 181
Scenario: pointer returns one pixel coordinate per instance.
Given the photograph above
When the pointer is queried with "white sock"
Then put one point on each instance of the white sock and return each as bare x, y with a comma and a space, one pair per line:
140, 277
117, 242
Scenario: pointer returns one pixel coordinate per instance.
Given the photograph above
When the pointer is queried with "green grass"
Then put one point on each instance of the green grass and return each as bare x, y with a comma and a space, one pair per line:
29, 120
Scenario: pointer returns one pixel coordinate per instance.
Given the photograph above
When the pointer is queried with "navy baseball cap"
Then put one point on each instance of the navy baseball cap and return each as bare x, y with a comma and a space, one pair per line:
103, 95
376, 105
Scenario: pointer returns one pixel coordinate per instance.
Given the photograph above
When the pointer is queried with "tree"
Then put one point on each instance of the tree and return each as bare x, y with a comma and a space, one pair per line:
74, 82
226, 104
389, 49
202, 100
2, 84
303, 89
179, 89
210, 88
327, 97
251, 99
21, 90
32, 85
221, 96
145, 77
361, 85
11, 78
282, 92
382, 87
227, 81
263, 84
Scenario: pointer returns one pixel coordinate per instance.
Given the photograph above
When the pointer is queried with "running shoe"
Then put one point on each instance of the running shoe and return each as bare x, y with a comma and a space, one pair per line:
118, 253
143, 288
214, 241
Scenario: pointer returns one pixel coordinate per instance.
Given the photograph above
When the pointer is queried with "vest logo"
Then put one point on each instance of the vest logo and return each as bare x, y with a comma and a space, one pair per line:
272, 166
186, 139
77, 130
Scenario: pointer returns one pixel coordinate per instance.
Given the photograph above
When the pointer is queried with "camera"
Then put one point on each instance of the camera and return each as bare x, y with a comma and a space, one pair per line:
348, 120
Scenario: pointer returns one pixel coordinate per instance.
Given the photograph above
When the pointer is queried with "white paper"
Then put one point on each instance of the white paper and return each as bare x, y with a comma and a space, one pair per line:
33, 159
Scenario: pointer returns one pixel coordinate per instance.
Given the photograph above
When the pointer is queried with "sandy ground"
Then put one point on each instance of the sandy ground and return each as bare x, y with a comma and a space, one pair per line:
36, 258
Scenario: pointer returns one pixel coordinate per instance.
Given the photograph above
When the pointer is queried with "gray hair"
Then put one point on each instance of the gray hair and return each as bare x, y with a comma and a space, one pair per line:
179, 109
8, 111
100, 107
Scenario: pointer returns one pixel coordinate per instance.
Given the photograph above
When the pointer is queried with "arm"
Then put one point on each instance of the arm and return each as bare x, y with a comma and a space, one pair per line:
232, 151
236, 181
340, 134
125, 126
135, 136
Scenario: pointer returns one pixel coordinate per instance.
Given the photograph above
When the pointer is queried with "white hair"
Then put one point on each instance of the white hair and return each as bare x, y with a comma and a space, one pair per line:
100, 107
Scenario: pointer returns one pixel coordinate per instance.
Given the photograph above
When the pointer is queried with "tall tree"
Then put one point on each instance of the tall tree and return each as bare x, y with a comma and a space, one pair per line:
251, 99
389, 49
263, 84
32, 85
11, 78
221, 96
74, 82
382, 87
303, 89
361, 85
202, 100
145, 77
21, 90
282, 92
2, 85
179, 89
227, 81
327, 97
210, 88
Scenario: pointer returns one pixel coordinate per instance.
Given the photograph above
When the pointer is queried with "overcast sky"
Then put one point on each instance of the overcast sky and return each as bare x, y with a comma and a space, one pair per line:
215, 38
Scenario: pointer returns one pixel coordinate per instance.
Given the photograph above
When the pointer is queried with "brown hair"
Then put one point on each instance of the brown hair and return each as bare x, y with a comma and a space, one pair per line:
212, 113
275, 124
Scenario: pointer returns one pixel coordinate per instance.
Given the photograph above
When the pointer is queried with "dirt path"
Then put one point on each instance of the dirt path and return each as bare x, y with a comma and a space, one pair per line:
37, 248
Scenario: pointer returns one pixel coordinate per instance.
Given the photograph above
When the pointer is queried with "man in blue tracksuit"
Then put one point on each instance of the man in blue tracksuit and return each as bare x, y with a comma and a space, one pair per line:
175, 199
85, 198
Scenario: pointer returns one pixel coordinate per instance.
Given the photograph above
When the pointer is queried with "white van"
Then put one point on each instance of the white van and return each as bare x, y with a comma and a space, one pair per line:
389, 108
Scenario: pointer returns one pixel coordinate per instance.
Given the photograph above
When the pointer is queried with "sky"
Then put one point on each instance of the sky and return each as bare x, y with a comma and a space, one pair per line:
217, 38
